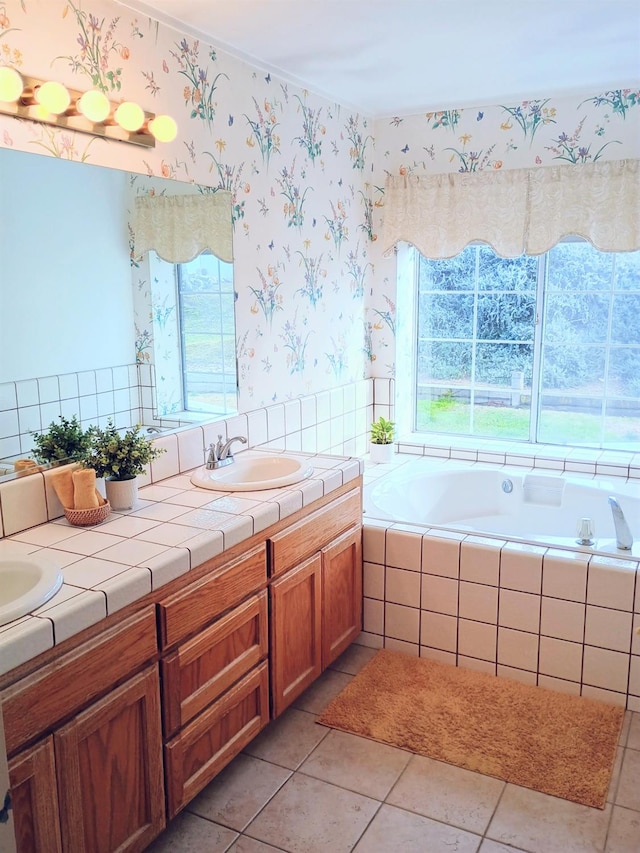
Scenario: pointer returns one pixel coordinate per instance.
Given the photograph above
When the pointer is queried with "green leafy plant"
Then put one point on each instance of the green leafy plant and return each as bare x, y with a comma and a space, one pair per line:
382, 431
66, 440
121, 456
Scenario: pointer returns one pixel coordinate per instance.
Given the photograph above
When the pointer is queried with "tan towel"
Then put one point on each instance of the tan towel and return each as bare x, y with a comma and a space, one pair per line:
25, 466
84, 489
62, 483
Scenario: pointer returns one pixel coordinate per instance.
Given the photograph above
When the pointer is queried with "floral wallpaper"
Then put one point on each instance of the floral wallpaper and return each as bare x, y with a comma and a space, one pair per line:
530, 134
297, 167
315, 300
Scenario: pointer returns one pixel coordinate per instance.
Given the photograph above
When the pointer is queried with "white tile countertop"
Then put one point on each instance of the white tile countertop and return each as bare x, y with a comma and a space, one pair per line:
174, 528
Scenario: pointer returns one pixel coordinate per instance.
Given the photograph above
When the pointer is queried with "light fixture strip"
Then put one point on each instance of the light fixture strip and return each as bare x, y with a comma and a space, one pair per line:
72, 119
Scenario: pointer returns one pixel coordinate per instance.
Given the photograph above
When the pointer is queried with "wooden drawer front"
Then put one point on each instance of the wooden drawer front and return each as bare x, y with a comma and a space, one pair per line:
32, 776
191, 609
299, 541
201, 669
209, 743
61, 688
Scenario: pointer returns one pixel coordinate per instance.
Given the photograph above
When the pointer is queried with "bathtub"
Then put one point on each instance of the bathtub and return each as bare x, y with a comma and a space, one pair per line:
478, 566
514, 504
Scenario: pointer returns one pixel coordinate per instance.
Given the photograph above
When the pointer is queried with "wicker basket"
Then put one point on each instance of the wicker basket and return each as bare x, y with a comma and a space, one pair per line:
86, 517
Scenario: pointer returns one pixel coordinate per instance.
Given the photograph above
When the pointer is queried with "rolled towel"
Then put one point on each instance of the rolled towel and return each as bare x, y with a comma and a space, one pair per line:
84, 489
25, 466
62, 482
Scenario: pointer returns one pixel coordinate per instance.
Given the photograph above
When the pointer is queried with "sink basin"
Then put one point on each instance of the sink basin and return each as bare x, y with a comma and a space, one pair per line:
25, 584
253, 471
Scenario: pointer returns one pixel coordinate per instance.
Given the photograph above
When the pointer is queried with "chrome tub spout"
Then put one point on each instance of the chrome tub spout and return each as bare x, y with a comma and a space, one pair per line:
624, 539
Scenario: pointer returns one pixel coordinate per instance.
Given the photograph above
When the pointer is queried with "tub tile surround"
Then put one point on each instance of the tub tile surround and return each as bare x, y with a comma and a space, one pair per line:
548, 616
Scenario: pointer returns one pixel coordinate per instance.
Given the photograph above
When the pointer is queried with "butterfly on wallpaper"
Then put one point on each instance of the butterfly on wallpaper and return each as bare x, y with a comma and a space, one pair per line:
480, 116
165, 67
396, 121
340, 182
405, 149
274, 398
268, 78
538, 160
271, 244
230, 120
313, 222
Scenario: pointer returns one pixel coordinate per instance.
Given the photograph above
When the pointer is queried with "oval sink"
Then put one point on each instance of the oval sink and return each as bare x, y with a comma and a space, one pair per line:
254, 471
25, 584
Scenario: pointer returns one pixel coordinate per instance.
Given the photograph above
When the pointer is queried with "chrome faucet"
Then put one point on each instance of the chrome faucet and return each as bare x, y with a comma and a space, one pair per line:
624, 539
220, 453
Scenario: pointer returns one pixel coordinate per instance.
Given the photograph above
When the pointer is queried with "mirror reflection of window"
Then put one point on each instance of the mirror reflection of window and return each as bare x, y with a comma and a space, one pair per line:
207, 335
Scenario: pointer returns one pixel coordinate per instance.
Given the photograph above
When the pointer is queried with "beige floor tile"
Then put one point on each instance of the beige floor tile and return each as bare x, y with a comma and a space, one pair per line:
615, 775
447, 793
489, 846
624, 832
540, 823
397, 830
310, 816
237, 794
356, 763
316, 698
353, 659
628, 794
244, 844
190, 834
633, 741
289, 739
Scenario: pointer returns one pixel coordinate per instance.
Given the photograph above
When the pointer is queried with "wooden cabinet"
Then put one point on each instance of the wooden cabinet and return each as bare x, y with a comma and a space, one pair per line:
296, 632
316, 606
32, 776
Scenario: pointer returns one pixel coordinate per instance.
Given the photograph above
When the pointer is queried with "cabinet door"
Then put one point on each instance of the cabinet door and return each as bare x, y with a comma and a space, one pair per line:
109, 767
34, 796
296, 626
341, 594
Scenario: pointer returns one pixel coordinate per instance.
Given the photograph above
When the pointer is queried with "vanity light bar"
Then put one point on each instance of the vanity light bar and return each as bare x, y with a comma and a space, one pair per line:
87, 112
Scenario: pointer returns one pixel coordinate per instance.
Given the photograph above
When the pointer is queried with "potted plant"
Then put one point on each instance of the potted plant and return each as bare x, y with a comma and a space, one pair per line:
381, 444
120, 457
62, 442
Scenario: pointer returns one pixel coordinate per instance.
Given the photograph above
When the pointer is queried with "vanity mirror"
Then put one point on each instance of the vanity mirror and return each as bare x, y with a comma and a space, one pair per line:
79, 317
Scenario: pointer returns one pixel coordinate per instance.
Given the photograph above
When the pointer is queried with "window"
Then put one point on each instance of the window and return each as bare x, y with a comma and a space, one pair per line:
542, 349
207, 335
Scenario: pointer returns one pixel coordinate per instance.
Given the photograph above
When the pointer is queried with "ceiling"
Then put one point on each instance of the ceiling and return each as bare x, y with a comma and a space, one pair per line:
398, 57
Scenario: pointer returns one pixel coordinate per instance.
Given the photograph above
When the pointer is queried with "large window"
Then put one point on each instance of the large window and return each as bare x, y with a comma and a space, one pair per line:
540, 349
207, 335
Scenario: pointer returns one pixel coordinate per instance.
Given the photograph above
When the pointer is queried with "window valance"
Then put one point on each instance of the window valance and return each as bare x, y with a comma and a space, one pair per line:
180, 227
518, 211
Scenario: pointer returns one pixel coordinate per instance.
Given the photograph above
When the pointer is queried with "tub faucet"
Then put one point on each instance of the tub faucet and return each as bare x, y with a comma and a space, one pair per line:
220, 453
624, 539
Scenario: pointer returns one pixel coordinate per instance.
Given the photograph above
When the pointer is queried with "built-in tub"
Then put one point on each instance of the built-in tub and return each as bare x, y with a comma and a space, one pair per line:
459, 570
515, 504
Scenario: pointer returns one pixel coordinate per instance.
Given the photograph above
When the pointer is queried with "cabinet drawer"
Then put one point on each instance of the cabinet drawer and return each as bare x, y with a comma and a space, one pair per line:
201, 669
191, 609
296, 543
61, 688
208, 744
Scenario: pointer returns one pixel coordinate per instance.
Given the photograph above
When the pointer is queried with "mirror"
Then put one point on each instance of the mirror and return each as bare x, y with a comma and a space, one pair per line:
77, 312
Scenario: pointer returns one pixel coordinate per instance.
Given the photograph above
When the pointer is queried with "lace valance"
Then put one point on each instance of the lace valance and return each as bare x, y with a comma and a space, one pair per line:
518, 211
180, 227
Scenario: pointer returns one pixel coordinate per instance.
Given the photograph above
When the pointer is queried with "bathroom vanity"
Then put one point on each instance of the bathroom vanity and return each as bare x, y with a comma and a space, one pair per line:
111, 733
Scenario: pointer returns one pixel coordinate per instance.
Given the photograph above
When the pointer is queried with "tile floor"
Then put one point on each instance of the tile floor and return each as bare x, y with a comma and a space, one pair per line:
303, 788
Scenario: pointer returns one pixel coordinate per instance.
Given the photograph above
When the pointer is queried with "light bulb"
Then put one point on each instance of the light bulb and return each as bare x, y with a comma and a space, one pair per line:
163, 128
11, 85
129, 116
53, 97
94, 105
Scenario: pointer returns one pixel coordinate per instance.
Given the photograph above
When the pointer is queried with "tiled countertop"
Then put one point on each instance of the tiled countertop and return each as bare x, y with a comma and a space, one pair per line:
175, 528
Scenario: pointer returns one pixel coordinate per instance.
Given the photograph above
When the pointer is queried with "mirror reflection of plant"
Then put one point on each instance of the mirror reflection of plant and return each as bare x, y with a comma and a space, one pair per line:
121, 456
61, 442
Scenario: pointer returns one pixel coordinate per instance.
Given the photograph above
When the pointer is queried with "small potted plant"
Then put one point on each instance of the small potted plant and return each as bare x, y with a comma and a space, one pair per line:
381, 444
63, 442
120, 457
